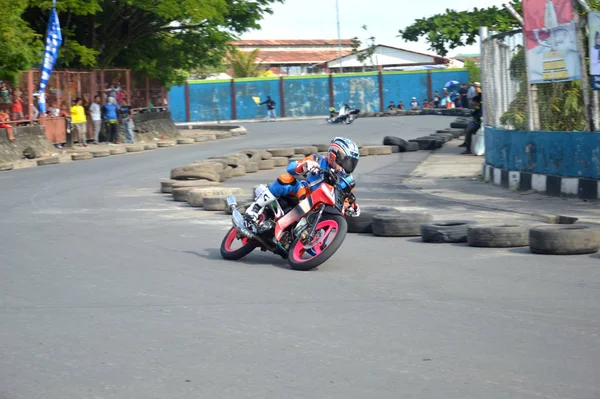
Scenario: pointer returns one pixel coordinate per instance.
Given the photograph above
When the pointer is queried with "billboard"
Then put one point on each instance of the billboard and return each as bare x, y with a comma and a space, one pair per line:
594, 46
551, 41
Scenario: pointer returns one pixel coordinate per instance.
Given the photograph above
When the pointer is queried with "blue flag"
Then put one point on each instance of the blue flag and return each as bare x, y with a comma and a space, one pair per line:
53, 42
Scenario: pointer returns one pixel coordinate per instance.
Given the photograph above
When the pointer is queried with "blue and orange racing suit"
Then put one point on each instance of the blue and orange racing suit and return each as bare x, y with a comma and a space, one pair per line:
288, 184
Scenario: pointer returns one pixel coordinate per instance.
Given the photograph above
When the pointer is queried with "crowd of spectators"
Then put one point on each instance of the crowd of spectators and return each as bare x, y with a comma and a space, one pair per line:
450, 98
96, 119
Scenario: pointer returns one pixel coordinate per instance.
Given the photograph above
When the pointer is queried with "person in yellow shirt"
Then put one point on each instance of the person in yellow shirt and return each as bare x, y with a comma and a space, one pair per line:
79, 121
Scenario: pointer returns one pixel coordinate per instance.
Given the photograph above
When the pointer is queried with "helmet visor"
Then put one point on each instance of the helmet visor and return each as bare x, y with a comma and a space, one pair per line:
349, 164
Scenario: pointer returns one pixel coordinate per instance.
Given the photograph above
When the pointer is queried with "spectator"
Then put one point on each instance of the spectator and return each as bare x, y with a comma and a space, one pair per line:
4, 97
414, 104
431, 104
111, 118
436, 100
471, 92
17, 106
478, 87
126, 115
9, 129
270, 108
400, 105
463, 96
392, 106
474, 125
79, 120
96, 114
425, 103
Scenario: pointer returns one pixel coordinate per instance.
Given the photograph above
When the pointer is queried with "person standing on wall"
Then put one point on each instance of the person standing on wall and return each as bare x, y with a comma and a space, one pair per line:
270, 108
126, 114
112, 120
474, 125
96, 113
79, 120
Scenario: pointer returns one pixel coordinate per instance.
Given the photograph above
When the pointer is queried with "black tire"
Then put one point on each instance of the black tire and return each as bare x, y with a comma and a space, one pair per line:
395, 149
426, 143
364, 222
446, 136
564, 239
412, 146
392, 140
238, 253
498, 236
327, 252
449, 231
459, 125
406, 224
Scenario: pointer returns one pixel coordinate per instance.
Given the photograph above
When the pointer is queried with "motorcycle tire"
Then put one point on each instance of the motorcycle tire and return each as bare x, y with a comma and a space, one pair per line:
234, 254
296, 249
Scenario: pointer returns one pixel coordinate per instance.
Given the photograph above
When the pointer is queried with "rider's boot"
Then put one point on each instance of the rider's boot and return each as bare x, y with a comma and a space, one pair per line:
264, 196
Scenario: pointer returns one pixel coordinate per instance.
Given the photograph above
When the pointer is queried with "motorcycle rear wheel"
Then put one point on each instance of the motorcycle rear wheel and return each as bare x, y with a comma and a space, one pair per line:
324, 246
227, 250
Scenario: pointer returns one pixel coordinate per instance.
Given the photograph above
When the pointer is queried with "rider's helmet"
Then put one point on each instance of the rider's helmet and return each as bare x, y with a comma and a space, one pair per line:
343, 153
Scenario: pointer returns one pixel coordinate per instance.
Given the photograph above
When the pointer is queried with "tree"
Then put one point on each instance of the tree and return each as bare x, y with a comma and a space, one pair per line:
474, 71
162, 38
455, 29
245, 64
366, 53
20, 46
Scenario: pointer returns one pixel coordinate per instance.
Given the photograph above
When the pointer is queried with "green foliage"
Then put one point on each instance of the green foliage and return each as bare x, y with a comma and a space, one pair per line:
560, 105
245, 64
20, 46
455, 29
474, 71
160, 37
367, 53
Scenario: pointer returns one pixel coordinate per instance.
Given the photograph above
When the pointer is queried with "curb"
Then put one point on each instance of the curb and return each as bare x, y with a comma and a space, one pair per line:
543, 217
432, 112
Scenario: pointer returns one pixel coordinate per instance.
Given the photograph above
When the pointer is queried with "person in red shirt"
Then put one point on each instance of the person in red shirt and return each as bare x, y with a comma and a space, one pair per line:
9, 129
17, 106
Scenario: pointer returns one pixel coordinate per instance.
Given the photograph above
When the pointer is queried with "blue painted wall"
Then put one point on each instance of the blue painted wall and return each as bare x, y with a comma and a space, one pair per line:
210, 101
403, 87
245, 90
306, 97
359, 91
177, 103
571, 154
439, 79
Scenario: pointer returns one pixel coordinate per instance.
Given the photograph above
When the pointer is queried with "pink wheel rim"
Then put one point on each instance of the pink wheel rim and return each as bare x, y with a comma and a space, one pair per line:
231, 237
327, 227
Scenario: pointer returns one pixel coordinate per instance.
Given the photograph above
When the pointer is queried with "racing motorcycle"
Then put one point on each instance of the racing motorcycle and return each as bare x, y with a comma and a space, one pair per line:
347, 119
305, 232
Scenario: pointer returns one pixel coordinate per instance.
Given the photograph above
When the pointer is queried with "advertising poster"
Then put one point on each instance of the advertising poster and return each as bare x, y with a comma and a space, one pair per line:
594, 43
551, 41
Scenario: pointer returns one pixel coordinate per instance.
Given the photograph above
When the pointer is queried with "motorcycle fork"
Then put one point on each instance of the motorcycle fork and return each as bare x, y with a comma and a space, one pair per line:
314, 225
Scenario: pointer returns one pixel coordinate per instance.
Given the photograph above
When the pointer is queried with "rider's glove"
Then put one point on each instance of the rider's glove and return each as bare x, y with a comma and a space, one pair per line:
353, 210
310, 167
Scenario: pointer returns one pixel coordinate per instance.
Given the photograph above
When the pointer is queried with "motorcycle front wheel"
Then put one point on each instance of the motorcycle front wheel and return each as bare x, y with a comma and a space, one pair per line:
329, 236
234, 247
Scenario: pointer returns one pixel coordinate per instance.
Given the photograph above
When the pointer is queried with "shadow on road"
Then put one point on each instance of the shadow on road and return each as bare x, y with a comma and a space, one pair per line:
255, 258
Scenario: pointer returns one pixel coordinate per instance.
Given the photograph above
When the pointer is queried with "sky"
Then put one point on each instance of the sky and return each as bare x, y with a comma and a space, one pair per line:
316, 19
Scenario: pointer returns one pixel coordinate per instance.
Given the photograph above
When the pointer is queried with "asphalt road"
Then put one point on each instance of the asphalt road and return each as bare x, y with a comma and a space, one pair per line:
110, 290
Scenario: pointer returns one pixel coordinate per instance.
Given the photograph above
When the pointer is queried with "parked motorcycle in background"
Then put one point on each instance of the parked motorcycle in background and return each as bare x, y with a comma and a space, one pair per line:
345, 115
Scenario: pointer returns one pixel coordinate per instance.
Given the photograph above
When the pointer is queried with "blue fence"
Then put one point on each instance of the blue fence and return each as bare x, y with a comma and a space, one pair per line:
569, 154
304, 95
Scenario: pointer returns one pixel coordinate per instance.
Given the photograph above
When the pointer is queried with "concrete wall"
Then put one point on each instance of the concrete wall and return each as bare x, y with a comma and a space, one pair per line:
208, 100
569, 154
26, 136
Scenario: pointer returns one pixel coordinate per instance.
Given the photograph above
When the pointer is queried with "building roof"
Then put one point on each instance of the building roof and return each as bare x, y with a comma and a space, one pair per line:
436, 57
298, 56
314, 42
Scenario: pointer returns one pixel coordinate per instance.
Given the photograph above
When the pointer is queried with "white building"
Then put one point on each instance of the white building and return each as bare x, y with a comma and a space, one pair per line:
383, 57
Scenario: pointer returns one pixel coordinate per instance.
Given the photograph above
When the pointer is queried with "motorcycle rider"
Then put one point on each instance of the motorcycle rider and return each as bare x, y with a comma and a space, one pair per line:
343, 112
342, 156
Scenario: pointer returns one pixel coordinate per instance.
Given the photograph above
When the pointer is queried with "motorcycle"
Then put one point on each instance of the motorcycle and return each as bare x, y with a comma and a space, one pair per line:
347, 119
305, 232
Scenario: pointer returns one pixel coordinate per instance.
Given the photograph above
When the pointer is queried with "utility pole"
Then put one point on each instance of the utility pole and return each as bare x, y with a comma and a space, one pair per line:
337, 12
